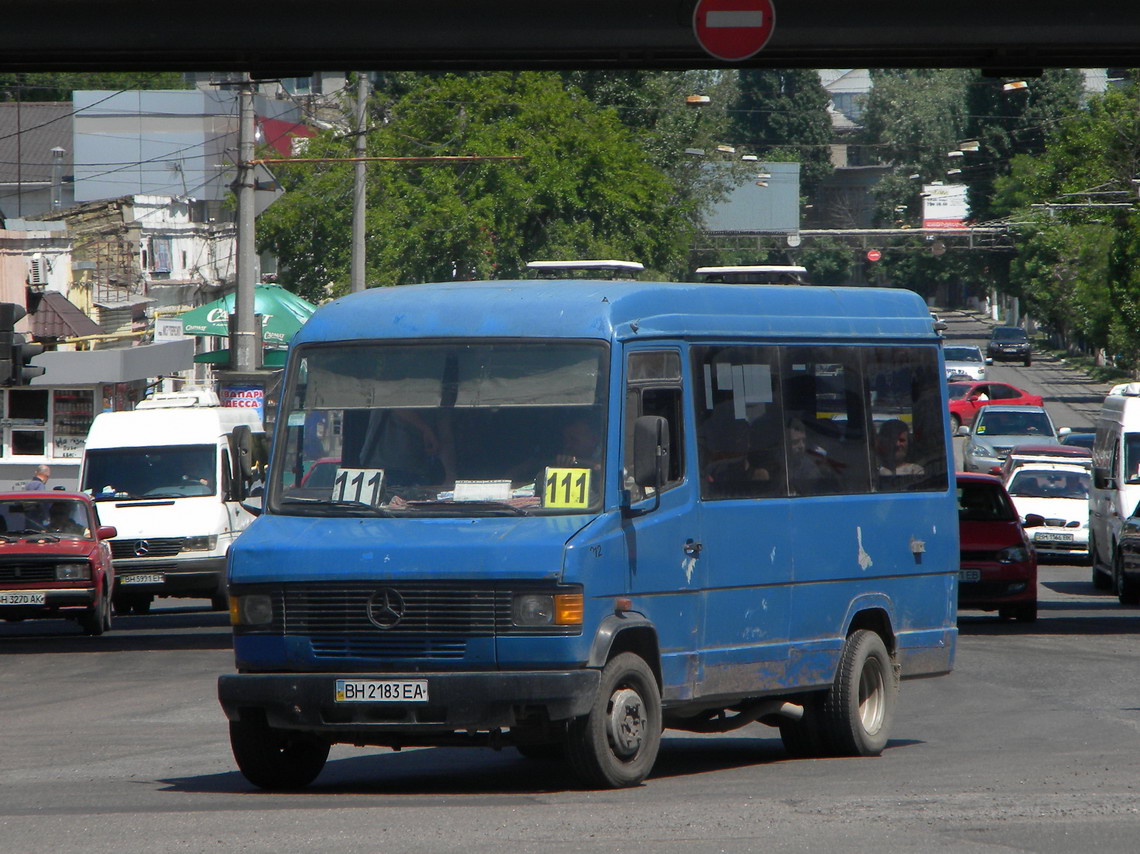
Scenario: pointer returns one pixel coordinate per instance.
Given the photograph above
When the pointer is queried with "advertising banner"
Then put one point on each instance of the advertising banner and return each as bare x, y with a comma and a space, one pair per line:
944, 206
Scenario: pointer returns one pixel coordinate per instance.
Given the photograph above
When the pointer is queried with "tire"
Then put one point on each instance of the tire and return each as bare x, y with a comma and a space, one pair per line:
804, 739
1101, 579
140, 604
98, 619
1026, 613
955, 423
276, 760
860, 706
616, 744
1028, 362
1127, 590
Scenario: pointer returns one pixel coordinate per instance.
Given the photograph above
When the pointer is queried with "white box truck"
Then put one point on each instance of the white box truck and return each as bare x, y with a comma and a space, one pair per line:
170, 476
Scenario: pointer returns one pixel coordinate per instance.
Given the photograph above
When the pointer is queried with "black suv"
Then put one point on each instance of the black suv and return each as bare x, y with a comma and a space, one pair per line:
1010, 344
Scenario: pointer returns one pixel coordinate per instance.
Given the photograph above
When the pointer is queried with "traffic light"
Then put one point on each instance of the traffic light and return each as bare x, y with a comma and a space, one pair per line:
15, 351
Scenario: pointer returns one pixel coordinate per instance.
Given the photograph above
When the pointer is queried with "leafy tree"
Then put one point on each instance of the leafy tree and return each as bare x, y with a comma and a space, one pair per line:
782, 115
1006, 124
584, 188
55, 86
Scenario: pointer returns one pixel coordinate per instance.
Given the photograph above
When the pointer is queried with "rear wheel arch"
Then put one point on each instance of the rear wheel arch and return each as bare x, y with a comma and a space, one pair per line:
877, 620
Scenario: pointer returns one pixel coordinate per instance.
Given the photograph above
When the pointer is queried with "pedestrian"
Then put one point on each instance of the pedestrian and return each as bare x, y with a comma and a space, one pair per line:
39, 479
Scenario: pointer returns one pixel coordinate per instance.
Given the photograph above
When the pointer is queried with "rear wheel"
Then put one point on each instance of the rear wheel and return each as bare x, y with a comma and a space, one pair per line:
860, 706
276, 759
1028, 361
955, 423
616, 744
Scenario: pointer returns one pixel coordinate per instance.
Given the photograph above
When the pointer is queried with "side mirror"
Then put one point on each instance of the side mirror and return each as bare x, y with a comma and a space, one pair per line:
650, 451
253, 505
963, 430
107, 532
241, 452
989, 360
1033, 520
1064, 431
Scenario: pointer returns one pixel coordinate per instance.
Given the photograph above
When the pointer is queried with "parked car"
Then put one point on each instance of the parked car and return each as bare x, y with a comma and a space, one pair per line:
1000, 427
54, 559
1059, 493
998, 569
1010, 344
966, 398
964, 363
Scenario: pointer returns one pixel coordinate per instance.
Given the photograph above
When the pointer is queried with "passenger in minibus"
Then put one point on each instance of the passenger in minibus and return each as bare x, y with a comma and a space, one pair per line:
892, 446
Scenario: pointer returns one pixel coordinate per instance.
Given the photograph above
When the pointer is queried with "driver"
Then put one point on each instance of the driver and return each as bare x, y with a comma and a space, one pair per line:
60, 520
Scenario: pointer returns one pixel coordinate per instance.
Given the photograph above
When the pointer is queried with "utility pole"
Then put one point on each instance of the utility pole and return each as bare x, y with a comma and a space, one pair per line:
359, 184
244, 341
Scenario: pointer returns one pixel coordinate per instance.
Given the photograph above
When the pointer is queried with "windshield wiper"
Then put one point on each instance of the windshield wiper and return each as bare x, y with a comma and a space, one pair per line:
495, 507
334, 504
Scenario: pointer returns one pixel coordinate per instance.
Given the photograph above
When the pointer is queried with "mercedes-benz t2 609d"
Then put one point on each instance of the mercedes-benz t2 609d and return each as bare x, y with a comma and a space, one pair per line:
566, 515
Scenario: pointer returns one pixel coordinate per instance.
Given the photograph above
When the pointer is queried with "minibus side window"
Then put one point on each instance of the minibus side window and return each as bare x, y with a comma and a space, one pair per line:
740, 435
653, 387
909, 448
825, 420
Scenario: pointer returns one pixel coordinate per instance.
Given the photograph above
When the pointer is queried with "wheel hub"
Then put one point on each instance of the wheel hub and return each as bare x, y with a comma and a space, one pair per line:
627, 721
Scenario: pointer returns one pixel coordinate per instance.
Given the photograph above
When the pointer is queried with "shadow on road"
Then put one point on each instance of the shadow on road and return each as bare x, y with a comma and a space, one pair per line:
447, 771
162, 629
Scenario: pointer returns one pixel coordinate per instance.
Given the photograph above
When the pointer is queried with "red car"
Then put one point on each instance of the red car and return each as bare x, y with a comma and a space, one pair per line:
966, 398
54, 559
998, 570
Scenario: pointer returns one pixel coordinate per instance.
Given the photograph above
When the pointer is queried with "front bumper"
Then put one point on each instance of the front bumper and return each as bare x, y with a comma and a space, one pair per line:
177, 576
58, 602
456, 701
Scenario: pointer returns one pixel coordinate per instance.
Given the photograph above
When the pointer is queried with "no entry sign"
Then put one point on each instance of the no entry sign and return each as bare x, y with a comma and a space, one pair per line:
733, 30
874, 255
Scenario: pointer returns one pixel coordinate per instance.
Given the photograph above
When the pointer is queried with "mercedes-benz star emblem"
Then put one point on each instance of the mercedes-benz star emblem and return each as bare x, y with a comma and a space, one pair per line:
386, 608
142, 548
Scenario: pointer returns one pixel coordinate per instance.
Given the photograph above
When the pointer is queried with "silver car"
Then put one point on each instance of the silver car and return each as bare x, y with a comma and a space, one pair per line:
998, 428
965, 362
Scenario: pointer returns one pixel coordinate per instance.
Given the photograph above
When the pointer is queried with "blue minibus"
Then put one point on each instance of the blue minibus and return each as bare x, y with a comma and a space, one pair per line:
561, 516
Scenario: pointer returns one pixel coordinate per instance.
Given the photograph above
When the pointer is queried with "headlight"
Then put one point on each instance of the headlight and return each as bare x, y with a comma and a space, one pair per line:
547, 609
200, 544
72, 571
1014, 554
253, 610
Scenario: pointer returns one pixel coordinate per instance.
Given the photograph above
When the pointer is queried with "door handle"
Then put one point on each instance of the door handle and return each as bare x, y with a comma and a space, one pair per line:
692, 548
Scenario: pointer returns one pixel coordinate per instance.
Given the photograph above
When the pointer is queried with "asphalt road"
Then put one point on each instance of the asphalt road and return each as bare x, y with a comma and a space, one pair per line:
116, 744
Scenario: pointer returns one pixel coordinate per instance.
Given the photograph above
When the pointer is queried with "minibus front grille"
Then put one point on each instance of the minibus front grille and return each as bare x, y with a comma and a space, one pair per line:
427, 612
391, 610
146, 547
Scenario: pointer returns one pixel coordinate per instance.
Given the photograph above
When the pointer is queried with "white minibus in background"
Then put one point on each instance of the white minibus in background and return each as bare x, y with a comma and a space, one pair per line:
1116, 482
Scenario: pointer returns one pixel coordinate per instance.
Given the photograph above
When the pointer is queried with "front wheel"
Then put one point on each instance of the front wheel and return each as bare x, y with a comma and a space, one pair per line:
1127, 590
860, 706
276, 759
616, 744
98, 620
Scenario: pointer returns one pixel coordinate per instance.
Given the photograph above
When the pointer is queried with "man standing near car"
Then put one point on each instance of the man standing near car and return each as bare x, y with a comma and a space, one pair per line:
38, 481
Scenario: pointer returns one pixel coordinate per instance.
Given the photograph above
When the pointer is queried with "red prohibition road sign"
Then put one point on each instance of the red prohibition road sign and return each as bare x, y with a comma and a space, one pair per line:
874, 255
733, 30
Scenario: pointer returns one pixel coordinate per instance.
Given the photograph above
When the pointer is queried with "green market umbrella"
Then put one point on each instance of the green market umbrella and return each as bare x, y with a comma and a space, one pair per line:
282, 313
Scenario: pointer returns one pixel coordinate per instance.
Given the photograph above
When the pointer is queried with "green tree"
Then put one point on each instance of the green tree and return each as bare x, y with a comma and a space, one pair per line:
58, 86
782, 115
584, 188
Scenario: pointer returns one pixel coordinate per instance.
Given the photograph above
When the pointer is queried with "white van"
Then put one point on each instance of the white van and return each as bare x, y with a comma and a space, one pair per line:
1116, 479
170, 476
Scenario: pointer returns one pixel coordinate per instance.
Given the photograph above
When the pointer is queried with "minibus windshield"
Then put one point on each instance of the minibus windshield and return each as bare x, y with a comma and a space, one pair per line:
164, 471
442, 429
